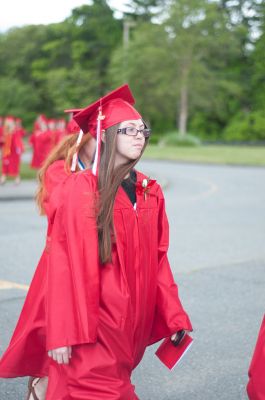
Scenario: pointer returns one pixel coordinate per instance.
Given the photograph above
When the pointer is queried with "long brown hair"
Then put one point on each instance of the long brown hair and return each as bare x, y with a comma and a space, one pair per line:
63, 151
109, 180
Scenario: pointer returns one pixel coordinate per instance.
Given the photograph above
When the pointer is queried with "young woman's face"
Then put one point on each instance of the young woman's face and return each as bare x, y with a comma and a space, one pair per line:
129, 147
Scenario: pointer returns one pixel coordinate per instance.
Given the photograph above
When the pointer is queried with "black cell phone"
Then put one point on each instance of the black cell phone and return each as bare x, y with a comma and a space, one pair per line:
180, 336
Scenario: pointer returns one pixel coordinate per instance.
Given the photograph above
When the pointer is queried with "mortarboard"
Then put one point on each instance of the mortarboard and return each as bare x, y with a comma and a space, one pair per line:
109, 110
73, 110
116, 106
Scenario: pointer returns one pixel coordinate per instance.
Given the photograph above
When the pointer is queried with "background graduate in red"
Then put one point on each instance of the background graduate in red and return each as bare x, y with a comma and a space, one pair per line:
19, 128
1, 132
110, 289
72, 126
60, 130
26, 354
256, 384
12, 148
42, 140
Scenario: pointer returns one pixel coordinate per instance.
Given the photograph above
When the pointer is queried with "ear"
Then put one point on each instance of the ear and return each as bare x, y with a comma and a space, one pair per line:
103, 138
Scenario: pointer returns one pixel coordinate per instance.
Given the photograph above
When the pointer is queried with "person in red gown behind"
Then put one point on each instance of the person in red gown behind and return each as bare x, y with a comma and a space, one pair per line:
12, 149
110, 290
256, 384
72, 126
40, 126
60, 130
26, 354
42, 140
19, 127
1, 132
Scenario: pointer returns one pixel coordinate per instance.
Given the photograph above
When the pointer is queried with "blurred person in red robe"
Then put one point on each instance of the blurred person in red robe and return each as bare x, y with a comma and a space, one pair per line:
12, 149
19, 146
1, 132
19, 127
52, 135
256, 384
52, 125
35, 140
60, 129
42, 140
72, 126
110, 290
26, 354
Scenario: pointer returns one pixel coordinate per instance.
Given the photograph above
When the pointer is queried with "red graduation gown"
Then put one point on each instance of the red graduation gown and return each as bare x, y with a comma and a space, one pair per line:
26, 354
59, 134
11, 158
42, 143
1, 136
256, 384
108, 313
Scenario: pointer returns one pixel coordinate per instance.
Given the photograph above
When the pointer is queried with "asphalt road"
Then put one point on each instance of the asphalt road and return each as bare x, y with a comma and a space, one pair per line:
217, 254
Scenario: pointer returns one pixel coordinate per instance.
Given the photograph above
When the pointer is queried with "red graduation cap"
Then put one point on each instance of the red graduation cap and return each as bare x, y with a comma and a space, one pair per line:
116, 106
72, 126
109, 110
73, 110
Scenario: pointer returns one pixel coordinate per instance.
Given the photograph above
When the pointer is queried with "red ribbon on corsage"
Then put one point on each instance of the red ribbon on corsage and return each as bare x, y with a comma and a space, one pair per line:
144, 187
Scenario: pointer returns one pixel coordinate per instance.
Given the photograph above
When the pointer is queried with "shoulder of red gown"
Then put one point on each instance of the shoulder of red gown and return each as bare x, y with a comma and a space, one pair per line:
79, 192
56, 171
80, 182
54, 175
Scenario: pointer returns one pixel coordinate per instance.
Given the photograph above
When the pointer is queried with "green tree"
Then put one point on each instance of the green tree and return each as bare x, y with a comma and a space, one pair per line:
202, 49
19, 47
95, 34
144, 10
196, 65
180, 67
19, 99
246, 21
146, 70
70, 88
65, 64
257, 62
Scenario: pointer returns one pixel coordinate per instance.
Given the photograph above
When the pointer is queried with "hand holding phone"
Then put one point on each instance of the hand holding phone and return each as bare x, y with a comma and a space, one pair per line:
177, 337
171, 351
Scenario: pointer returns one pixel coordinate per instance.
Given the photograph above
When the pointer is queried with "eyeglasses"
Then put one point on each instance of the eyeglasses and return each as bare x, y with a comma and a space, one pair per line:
132, 131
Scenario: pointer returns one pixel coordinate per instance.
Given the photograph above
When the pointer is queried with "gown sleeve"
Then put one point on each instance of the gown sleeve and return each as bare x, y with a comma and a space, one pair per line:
170, 315
256, 383
54, 176
73, 270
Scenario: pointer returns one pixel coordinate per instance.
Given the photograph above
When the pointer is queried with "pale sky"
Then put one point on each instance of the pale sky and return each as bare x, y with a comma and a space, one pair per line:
27, 12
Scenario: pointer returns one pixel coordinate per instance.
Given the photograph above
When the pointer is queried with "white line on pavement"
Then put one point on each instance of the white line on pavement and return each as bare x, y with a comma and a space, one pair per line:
12, 285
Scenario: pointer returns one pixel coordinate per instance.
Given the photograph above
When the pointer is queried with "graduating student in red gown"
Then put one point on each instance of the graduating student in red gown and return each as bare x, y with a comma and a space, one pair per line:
12, 148
256, 384
42, 140
39, 129
60, 130
26, 354
1, 132
72, 126
110, 290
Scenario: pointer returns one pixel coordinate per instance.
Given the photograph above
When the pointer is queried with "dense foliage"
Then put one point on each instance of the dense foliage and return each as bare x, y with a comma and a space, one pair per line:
195, 66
